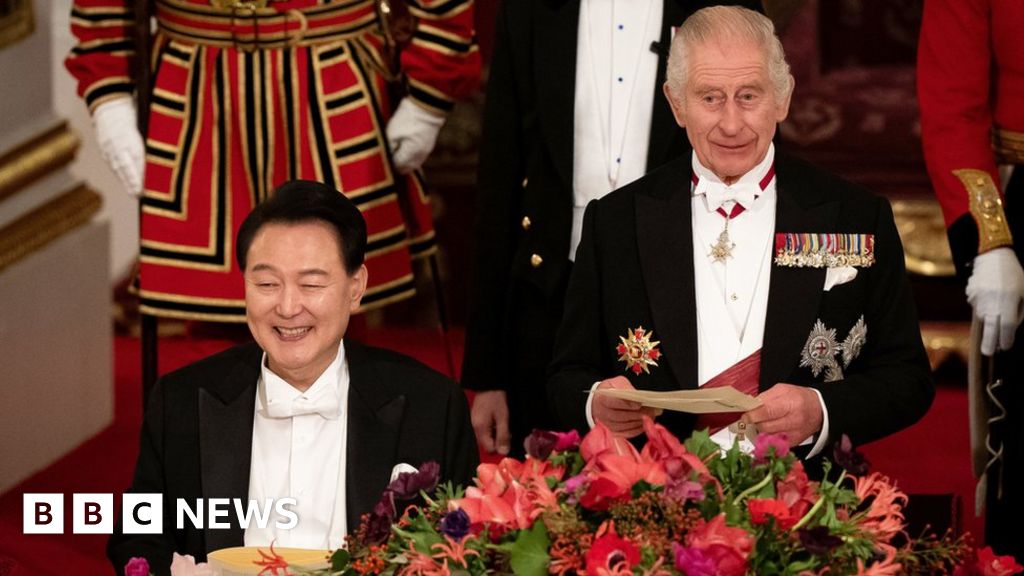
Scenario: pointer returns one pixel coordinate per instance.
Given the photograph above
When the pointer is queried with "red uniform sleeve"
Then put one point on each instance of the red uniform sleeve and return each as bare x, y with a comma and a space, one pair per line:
442, 62
954, 66
100, 61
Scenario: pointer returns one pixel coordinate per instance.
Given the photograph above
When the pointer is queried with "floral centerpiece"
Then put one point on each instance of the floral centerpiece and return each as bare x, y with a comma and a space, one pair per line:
600, 507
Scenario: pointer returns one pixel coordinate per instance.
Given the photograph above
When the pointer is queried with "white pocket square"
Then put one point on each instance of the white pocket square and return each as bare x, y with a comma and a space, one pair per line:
841, 275
402, 469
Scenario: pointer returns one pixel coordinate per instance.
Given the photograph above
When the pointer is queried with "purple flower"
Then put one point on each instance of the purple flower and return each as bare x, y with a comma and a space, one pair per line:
684, 490
137, 567
408, 485
567, 441
766, 442
455, 524
694, 561
818, 540
378, 526
540, 443
847, 456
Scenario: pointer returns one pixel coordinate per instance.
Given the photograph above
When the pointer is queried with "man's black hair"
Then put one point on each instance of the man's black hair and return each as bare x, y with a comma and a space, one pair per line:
301, 201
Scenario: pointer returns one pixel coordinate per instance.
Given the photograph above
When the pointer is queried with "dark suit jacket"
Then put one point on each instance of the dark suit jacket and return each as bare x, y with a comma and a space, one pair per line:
635, 267
526, 158
197, 440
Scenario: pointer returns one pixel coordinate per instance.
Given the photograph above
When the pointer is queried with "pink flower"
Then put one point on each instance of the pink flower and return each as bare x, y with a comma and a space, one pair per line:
763, 508
661, 444
797, 492
884, 516
885, 567
601, 440
137, 567
611, 554
567, 441
186, 566
766, 442
694, 561
728, 547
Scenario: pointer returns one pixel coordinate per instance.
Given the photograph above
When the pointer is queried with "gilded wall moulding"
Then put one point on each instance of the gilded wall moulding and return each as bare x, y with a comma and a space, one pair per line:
923, 232
38, 157
46, 223
16, 21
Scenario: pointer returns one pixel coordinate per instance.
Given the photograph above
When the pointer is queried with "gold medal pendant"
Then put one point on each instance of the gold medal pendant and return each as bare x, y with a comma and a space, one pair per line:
722, 249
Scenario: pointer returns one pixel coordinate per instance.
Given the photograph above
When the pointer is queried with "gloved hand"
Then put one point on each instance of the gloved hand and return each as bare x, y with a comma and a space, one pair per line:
412, 133
996, 291
120, 143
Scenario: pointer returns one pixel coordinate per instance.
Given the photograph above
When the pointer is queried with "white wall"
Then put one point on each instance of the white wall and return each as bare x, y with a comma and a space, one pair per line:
120, 209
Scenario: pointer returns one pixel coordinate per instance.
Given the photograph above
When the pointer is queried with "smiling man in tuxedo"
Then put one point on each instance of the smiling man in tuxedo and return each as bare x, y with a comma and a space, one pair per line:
301, 412
741, 265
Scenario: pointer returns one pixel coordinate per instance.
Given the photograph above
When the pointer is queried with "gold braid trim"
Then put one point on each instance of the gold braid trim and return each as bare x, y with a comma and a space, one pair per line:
35, 158
987, 209
1008, 146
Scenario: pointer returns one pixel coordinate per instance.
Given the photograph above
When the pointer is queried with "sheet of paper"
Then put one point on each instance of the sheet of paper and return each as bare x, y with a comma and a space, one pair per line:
701, 401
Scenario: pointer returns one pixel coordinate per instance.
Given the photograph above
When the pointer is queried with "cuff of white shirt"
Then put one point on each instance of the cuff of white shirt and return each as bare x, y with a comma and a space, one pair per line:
819, 444
590, 402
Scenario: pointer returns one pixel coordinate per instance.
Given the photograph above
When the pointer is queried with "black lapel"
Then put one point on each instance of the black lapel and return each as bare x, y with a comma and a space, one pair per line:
556, 23
226, 411
794, 293
665, 241
374, 419
667, 139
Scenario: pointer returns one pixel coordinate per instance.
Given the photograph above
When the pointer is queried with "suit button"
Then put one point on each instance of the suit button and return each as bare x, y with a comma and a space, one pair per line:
536, 260
525, 182
526, 223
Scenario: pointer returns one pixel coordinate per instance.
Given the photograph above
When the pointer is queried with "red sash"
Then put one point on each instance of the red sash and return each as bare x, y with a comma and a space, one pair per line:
743, 376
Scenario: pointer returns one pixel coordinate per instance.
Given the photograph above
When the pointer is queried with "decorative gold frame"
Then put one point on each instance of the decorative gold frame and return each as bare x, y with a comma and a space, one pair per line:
35, 158
16, 21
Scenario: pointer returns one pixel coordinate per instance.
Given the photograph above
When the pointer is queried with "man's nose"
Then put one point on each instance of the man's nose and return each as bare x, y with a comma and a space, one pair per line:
290, 301
731, 122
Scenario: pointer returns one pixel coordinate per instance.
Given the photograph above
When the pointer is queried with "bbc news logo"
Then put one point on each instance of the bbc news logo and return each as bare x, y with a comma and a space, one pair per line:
143, 513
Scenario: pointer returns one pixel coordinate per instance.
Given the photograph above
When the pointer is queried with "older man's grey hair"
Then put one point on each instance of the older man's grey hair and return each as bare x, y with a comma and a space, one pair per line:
725, 23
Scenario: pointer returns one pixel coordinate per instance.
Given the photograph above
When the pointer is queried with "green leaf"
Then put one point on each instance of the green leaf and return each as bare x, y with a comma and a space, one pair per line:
339, 560
528, 554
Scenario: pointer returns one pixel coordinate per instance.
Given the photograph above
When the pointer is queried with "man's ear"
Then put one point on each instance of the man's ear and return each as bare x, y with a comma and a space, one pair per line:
782, 108
357, 287
676, 106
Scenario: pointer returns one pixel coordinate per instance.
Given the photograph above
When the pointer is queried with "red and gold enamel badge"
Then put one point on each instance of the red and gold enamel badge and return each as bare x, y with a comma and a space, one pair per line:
637, 350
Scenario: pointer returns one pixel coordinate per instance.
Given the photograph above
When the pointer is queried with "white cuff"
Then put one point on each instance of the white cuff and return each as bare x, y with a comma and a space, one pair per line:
819, 445
590, 401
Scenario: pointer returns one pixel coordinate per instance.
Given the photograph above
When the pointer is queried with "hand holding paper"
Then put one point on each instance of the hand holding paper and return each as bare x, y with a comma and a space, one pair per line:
614, 406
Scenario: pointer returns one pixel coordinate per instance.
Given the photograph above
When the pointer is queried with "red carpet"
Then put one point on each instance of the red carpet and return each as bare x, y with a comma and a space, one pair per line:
931, 457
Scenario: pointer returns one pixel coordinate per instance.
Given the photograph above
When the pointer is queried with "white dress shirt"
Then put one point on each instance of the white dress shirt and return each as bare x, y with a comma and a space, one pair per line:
732, 295
615, 76
298, 451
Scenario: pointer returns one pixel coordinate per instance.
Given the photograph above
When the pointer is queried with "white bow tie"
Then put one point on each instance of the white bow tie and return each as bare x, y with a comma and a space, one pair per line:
716, 193
326, 405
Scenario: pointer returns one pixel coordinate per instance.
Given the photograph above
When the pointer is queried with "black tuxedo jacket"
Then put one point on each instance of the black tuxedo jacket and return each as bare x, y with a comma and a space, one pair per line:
634, 268
197, 440
525, 171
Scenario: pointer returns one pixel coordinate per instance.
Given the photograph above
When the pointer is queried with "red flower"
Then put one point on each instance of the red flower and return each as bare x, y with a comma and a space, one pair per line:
988, 564
600, 440
728, 547
602, 493
610, 554
796, 491
762, 508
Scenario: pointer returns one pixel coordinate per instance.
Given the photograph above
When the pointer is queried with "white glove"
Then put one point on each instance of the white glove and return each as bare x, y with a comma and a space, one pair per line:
996, 291
117, 133
412, 133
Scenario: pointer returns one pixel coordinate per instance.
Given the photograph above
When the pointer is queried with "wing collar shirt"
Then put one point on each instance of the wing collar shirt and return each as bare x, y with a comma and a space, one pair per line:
732, 295
616, 73
298, 451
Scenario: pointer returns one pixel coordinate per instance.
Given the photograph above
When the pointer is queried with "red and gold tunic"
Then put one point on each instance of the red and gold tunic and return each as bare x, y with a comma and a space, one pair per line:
970, 80
246, 98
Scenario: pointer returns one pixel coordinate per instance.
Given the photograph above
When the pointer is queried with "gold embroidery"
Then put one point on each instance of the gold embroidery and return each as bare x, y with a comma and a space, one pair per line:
986, 208
1008, 146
